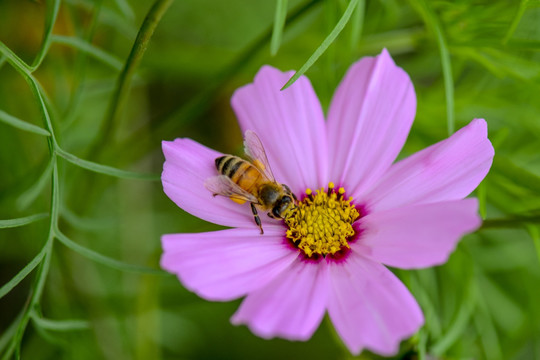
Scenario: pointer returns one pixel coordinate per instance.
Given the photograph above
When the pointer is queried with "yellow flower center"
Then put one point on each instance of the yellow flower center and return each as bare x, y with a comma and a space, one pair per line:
321, 224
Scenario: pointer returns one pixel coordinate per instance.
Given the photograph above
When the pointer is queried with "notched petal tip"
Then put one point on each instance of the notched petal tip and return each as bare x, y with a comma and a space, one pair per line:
290, 123
369, 118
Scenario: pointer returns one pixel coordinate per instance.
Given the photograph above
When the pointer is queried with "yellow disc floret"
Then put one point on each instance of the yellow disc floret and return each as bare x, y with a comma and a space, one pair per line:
321, 224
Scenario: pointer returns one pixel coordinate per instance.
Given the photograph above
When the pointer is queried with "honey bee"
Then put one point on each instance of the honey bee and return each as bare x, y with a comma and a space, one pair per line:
252, 181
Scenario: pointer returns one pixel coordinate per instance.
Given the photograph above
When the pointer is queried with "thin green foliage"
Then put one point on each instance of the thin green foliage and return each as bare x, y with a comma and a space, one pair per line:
325, 44
513, 221
60, 325
534, 232
515, 22
94, 51
279, 23
196, 105
8, 333
42, 260
14, 60
50, 20
104, 260
484, 323
27, 197
493, 59
357, 24
23, 125
22, 221
104, 169
433, 22
517, 174
125, 8
7, 287
460, 322
156, 12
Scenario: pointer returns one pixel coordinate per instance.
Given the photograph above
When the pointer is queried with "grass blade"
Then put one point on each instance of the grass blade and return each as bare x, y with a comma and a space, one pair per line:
279, 23
104, 169
23, 125
325, 44
105, 260
10, 223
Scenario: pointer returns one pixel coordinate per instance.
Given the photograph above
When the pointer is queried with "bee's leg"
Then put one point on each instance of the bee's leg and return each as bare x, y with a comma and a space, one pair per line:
256, 217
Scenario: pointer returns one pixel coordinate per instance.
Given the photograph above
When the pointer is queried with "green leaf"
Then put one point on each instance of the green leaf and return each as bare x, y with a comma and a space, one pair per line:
152, 19
534, 232
357, 24
6, 288
105, 260
23, 125
104, 169
510, 222
325, 44
52, 13
515, 21
10, 223
279, 23
90, 49
516, 174
60, 325
126, 10
430, 18
14, 60
27, 197
484, 324
459, 323
9, 333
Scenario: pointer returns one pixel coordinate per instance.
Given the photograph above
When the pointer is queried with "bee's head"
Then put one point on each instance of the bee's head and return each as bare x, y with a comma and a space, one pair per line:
282, 207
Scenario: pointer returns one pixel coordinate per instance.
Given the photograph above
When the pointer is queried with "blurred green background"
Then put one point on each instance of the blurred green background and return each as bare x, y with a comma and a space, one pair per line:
77, 278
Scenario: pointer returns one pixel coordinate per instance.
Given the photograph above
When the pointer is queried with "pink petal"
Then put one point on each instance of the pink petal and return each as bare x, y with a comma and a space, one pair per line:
227, 264
290, 124
368, 122
187, 165
417, 236
448, 170
291, 306
370, 307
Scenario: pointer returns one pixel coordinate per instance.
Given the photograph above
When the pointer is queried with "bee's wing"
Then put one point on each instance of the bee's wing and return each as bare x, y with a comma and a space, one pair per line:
254, 149
223, 185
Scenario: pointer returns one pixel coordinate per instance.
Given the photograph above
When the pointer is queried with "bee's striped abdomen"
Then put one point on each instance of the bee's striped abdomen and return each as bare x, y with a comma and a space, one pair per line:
228, 165
241, 172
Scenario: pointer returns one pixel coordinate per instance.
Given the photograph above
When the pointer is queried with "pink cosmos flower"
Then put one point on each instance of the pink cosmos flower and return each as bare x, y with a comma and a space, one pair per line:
409, 214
